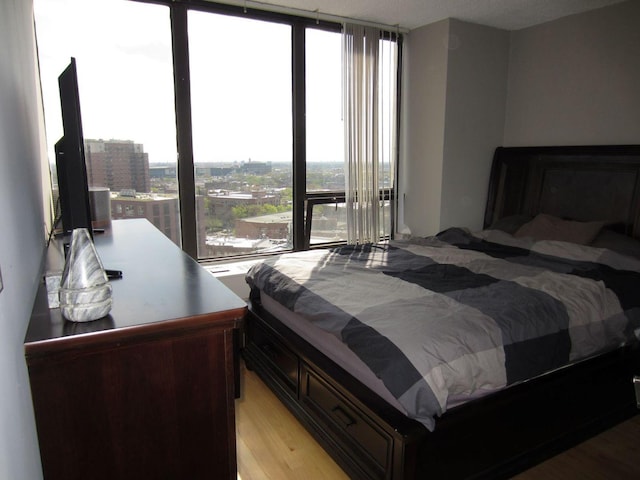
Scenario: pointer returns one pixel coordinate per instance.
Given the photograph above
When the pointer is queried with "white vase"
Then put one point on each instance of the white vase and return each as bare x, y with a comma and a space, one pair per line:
85, 291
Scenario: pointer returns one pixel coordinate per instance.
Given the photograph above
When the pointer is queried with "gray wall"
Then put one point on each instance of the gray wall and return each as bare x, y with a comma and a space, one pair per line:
423, 118
22, 244
474, 121
453, 117
576, 80
469, 89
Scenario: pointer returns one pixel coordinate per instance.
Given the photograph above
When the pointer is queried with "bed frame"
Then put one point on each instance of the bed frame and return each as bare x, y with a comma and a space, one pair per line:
506, 432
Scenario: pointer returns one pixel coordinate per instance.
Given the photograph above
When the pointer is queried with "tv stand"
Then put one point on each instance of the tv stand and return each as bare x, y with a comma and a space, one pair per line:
148, 391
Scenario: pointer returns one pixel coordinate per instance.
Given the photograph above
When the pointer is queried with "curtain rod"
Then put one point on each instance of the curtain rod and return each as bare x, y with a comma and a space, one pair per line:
316, 14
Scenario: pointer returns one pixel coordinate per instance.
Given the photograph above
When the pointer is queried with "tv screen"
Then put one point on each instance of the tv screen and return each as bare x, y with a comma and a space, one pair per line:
73, 187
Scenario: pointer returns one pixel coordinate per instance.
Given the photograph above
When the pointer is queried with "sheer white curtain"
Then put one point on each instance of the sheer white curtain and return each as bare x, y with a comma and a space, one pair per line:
369, 86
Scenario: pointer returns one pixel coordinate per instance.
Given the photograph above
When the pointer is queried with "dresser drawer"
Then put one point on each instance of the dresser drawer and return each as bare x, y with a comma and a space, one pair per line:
353, 430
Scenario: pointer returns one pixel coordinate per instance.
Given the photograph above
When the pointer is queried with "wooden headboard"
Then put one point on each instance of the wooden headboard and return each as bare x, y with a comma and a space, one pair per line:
583, 183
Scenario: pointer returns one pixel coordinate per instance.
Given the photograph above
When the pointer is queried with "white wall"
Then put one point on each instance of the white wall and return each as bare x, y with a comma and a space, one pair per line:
453, 118
22, 244
576, 80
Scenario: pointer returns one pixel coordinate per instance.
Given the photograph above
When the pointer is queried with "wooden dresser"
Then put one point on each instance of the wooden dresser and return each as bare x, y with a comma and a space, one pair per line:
148, 391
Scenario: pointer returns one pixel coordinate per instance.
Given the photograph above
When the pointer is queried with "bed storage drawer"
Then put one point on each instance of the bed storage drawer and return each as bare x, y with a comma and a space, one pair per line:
357, 436
283, 362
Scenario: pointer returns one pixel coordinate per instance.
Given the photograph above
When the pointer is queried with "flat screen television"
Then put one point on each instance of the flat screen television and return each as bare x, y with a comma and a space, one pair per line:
73, 187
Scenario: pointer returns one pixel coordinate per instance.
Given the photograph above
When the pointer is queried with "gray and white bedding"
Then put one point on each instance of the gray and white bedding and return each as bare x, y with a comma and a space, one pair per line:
460, 315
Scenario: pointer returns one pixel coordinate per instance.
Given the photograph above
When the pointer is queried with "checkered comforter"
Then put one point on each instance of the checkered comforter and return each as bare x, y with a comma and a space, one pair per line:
459, 315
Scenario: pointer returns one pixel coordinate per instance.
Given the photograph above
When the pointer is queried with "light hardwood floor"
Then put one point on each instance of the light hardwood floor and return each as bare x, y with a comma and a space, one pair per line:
272, 445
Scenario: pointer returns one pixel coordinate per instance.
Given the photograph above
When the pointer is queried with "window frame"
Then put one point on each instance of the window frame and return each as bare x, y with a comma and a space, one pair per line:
327, 198
302, 200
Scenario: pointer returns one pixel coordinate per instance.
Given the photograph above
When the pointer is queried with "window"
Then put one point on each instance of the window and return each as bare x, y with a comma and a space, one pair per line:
326, 216
125, 82
326, 222
325, 130
242, 134
256, 97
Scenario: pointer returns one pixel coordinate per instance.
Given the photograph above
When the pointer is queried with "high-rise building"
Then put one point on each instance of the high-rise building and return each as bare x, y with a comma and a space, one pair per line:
161, 211
117, 164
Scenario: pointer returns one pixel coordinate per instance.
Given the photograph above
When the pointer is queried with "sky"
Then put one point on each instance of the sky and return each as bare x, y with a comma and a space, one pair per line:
240, 68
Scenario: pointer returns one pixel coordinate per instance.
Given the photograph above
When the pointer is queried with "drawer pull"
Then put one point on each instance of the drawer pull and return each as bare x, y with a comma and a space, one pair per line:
346, 419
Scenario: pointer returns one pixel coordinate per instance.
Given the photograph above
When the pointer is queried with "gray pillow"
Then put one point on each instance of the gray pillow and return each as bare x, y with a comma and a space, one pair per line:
548, 227
617, 242
510, 224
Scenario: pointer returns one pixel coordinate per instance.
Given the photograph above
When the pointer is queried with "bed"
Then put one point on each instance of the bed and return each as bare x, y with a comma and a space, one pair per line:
529, 372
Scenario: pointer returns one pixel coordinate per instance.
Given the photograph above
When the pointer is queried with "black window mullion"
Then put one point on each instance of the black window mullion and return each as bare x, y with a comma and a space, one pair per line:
186, 171
299, 134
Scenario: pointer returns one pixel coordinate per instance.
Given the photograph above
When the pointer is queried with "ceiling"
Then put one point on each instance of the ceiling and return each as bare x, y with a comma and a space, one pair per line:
409, 14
